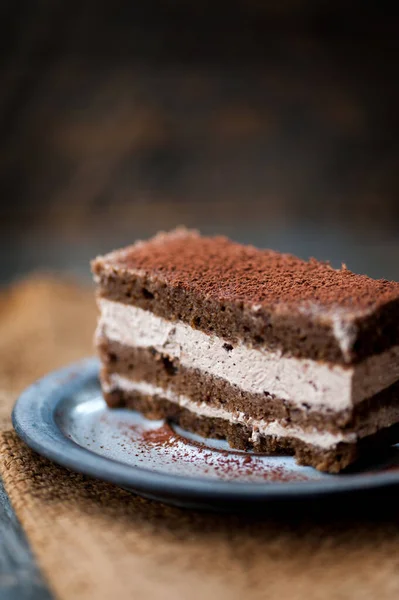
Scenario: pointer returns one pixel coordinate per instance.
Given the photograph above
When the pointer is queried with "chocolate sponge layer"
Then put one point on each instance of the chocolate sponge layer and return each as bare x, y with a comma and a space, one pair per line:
143, 364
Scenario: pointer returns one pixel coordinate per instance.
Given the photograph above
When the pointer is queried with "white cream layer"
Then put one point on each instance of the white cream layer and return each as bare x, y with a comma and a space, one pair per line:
259, 428
321, 386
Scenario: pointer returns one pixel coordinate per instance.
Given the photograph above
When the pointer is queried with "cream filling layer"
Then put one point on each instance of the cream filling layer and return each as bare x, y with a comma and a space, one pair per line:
259, 428
321, 386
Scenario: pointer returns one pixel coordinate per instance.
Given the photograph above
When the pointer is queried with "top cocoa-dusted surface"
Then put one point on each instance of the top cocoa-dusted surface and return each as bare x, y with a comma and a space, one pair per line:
225, 270
307, 308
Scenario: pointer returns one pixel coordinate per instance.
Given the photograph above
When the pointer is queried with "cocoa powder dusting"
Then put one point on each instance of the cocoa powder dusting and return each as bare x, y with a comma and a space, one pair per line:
221, 269
229, 465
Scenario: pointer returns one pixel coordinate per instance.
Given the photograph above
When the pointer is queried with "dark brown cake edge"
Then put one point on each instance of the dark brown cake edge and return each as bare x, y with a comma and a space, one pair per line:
332, 460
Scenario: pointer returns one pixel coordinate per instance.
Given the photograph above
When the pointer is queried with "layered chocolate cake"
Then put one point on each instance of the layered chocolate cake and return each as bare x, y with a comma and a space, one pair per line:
273, 353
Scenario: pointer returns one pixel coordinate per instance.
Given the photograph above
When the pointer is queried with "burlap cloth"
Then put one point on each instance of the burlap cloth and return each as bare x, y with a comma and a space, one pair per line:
93, 540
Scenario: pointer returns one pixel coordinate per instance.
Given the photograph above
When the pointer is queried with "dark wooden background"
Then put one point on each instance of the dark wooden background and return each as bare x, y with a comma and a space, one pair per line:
274, 122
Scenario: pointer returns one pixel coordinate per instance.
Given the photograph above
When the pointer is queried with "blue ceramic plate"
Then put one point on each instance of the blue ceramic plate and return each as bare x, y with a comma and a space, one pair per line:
64, 417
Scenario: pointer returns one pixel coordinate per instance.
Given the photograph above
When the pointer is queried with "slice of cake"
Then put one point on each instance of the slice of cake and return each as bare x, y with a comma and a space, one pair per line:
273, 353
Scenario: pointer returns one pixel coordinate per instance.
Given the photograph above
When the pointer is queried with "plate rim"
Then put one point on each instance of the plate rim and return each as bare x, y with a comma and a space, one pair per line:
34, 422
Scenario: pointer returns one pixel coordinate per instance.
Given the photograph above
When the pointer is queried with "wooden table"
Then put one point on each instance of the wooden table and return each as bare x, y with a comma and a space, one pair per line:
20, 578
